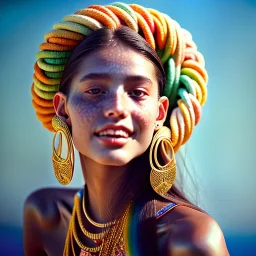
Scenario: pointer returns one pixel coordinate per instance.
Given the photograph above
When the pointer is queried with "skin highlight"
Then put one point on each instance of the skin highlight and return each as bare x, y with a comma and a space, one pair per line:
118, 87
182, 231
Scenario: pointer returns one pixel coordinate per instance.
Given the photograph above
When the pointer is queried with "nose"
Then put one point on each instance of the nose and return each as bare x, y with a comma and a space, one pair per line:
117, 105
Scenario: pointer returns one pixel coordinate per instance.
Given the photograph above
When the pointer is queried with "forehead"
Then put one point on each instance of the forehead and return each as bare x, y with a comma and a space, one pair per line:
117, 60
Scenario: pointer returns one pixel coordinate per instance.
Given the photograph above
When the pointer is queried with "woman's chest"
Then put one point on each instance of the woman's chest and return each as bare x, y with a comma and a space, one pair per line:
68, 237
56, 242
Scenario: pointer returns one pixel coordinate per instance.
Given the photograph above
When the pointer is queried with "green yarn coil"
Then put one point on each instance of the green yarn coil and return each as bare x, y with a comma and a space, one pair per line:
53, 54
74, 27
55, 75
49, 67
56, 61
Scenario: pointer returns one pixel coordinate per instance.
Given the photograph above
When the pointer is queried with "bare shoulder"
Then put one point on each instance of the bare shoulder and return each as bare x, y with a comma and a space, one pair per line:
48, 203
46, 215
191, 232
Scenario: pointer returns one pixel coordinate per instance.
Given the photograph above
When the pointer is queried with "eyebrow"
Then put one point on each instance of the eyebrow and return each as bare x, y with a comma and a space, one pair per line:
138, 78
106, 76
95, 76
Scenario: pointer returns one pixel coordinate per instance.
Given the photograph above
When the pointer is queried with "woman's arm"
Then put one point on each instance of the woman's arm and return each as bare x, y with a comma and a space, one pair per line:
201, 237
46, 217
31, 228
190, 232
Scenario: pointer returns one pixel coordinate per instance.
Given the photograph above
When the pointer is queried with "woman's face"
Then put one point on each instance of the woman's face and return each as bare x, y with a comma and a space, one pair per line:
113, 105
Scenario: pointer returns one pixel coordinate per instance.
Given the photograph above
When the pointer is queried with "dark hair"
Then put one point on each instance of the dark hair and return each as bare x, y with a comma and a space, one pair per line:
106, 38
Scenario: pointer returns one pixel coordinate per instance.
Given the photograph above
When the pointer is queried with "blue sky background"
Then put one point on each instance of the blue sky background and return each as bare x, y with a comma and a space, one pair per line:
221, 153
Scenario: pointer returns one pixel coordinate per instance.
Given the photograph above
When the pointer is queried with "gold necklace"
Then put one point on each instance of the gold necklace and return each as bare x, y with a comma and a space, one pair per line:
108, 243
93, 236
75, 234
96, 224
115, 234
72, 235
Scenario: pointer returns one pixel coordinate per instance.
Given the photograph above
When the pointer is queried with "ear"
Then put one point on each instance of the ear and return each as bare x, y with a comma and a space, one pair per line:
60, 106
163, 104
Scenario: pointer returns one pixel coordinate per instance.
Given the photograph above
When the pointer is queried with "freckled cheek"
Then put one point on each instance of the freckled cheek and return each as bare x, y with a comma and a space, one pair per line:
83, 113
145, 119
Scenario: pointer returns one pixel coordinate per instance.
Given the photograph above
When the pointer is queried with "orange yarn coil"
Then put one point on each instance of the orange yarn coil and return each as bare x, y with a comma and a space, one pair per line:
161, 32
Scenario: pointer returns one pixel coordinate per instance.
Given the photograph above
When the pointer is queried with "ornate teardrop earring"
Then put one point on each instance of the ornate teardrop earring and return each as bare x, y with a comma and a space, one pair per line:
63, 167
162, 176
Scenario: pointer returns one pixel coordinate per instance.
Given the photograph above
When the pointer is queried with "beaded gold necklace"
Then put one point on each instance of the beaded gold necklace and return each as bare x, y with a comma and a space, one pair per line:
99, 225
106, 242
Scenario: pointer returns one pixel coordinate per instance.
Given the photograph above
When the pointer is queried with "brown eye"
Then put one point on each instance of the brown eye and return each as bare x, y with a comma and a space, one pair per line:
95, 91
137, 93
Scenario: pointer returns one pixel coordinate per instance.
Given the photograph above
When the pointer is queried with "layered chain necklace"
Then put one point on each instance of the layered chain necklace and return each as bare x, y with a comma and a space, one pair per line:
107, 242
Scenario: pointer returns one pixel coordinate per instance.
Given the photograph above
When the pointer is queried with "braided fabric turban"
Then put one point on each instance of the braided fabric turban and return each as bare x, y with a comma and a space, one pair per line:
186, 77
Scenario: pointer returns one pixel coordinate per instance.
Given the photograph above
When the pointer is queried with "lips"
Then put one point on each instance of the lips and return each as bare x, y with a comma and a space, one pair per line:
113, 135
114, 131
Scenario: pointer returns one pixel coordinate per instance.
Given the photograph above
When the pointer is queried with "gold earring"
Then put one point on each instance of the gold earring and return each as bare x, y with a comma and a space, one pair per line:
63, 167
162, 176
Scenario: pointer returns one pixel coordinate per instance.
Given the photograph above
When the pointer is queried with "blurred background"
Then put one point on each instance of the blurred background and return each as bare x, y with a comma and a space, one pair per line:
220, 155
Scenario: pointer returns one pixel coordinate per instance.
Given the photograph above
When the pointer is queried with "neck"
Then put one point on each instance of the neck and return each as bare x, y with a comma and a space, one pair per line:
109, 188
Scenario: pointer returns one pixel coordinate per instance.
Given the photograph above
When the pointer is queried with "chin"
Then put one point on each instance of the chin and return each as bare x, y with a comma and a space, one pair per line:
113, 161
116, 157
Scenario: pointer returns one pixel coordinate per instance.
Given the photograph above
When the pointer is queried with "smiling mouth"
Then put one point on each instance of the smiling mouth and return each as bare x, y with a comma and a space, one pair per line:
113, 134
113, 138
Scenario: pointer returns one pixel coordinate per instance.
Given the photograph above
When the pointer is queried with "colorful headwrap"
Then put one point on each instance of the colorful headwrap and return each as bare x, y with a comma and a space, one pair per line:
184, 65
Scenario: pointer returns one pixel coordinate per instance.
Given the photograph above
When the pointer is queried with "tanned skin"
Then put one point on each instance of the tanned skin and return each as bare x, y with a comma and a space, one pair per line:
182, 231
114, 87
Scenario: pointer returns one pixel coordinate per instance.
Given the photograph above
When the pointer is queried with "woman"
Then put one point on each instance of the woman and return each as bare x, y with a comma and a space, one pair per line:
99, 84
